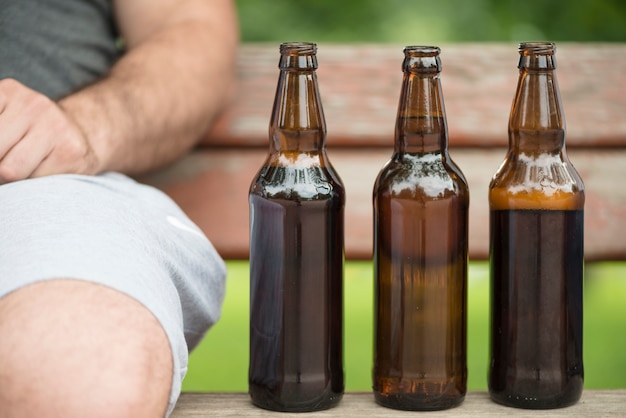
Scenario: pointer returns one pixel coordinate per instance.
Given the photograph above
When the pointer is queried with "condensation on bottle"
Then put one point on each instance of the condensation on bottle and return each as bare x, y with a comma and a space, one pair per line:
536, 201
296, 251
421, 202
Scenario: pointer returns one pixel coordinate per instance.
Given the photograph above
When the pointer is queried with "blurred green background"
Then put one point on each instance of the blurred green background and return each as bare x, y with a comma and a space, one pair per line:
432, 21
220, 362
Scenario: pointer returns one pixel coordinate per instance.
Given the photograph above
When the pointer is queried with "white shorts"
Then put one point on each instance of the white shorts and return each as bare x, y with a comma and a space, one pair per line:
114, 231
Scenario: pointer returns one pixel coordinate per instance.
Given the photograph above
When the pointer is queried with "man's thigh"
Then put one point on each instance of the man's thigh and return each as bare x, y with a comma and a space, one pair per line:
116, 234
74, 348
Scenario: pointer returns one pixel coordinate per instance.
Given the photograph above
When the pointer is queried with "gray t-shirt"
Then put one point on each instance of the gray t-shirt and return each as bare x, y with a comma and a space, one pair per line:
56, 46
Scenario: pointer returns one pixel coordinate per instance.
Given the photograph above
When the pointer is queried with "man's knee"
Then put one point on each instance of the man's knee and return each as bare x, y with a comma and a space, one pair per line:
72, 348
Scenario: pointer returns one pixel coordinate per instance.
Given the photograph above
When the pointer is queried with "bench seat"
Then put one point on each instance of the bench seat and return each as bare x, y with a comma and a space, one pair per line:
360, 87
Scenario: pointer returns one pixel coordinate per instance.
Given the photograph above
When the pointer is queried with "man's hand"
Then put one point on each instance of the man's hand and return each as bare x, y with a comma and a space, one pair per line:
154, 104
38, 138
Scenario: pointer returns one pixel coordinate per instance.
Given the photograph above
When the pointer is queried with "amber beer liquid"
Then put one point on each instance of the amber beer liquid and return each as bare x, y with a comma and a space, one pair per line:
421, 202
296, 252
536, 250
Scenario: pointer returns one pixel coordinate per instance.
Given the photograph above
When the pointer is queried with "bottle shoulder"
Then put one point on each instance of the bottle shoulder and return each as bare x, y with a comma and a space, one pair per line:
536, 181
421, 176
298, 176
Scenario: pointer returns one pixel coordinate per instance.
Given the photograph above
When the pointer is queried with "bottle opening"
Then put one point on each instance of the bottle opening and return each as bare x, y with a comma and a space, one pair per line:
537, 56
298, 48
421, 51
422, 59
298, 56
537, 48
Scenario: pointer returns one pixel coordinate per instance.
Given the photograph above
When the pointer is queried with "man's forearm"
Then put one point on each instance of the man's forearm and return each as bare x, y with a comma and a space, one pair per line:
160, 97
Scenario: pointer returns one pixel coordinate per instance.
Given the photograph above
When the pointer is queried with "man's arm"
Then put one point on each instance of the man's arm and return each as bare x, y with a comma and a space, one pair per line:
164, 93
155, 103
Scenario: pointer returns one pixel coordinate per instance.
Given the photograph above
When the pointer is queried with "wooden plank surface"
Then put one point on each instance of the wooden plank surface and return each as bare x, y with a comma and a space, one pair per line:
360, 87
212, 185
594, 403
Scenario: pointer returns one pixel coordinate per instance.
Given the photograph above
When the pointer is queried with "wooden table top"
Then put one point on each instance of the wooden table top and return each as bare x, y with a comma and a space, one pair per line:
594, 403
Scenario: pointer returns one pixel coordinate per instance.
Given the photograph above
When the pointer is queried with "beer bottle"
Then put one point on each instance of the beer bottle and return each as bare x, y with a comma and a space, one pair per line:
536, 201
296, 251
421, 202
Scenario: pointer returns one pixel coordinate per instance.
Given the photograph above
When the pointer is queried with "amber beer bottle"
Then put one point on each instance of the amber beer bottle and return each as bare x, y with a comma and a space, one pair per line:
421, 202
296, 251
536, 201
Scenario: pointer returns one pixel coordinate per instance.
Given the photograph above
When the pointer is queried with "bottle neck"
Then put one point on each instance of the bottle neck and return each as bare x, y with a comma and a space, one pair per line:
421, 122
537, 123
297, 123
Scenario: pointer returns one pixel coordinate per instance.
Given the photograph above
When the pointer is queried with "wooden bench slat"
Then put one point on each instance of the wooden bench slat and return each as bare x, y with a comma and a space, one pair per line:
594, 403
360, 87
211, 185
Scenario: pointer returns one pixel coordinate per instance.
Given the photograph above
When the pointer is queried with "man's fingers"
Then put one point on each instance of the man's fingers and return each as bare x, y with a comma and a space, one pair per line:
37, 137
23, 159
21, 109
12, 128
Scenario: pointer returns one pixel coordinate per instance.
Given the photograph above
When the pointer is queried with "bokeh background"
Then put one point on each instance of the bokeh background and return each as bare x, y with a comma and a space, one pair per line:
220, 362
432, 21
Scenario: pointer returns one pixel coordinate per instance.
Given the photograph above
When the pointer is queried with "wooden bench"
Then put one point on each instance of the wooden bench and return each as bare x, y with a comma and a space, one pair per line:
360, 86
607, 403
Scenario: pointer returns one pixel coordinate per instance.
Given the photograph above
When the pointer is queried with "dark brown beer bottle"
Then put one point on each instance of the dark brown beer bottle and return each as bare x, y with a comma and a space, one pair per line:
296, 251
421, 202
536, 201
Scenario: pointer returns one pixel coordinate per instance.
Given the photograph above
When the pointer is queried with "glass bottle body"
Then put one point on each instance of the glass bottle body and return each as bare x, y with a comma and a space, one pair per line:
421, 204
296, 264
536, 250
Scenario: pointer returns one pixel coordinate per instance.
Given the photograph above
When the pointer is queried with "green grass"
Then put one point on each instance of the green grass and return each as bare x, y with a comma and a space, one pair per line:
220, 362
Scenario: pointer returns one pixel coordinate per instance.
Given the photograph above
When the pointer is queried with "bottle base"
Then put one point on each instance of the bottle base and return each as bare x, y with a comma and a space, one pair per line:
265, 400
535, 402
418, 402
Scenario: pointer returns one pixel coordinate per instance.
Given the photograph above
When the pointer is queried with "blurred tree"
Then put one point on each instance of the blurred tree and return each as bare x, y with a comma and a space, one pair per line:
420, 21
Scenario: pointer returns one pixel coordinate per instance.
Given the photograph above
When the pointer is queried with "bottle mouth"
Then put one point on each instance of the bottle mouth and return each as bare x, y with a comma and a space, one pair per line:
298, 48
537, 48
537, 56
421, 51
422, 59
